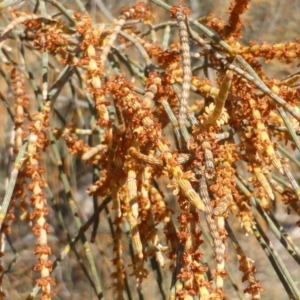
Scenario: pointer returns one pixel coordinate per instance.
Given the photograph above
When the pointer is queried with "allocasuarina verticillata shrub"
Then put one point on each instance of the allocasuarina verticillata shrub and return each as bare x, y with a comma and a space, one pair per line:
151, 151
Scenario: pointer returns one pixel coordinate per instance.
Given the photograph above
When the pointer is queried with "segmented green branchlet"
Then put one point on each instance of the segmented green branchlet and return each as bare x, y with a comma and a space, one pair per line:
280, 128
145, 178
222, 136
149, 95
132, 213
285, 238
292, 180
151, 91
289, 127
173, 121
203, 192
273, 256
275, 259
276, 228
167, 25
7, 3
118, 248
186, 68
208, 155
281, 186
263, 182
208, 160
176, 283
153, 33
192, 119
166, 37
246, 264
289, 155
153, 239
13, 178
285, 185
220, 99
159, 26
137, 42
276, 186
189, 247
164, 215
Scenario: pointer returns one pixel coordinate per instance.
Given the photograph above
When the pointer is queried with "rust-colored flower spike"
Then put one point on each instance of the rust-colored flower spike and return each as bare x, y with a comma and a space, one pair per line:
138, 11
38, 199
133, 207
20, 121
264, 143
284, 52
234, 27
203, 191
119, 275
21, 103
